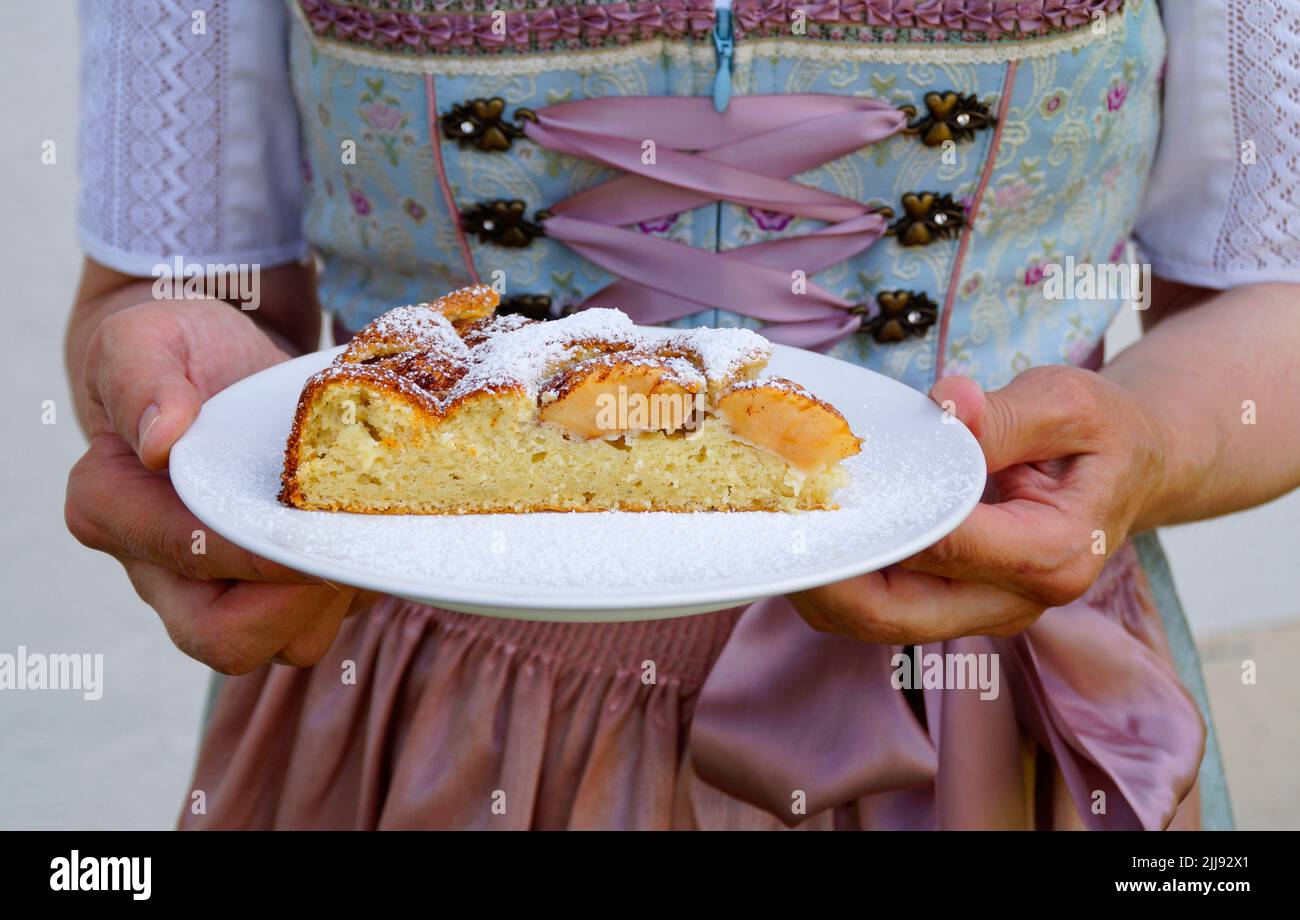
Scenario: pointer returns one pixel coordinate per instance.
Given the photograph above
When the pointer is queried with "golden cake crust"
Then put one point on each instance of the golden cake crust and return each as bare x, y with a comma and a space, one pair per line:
451, 385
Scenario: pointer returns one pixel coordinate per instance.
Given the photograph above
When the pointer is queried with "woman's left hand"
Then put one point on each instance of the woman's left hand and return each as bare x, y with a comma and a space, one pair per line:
1072, 459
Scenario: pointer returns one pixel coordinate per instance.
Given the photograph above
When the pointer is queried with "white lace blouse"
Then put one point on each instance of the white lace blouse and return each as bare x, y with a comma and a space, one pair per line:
189, 141
1221, 206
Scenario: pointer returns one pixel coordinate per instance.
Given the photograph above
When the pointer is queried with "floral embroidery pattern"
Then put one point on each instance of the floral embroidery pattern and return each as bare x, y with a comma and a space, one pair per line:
385, 118
1011, 195
365, 220
771, 221
1071, 190
414, 210
1052, 103
659, 225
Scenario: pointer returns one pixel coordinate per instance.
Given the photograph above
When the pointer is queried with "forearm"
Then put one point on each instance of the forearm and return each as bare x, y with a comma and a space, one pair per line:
289, 314
1221, 383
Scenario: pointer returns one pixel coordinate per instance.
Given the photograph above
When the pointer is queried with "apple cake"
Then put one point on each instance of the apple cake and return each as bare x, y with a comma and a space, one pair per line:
449, 408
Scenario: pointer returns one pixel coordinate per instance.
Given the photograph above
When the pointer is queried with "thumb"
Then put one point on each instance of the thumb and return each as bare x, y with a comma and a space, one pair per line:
961, 397
1040, 415
136, 372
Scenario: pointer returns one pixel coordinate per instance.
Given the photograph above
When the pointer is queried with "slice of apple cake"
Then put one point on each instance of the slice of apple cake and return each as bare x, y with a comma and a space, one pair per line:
449, 408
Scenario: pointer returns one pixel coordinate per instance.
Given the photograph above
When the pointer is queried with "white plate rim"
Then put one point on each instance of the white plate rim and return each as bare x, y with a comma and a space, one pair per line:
480, 600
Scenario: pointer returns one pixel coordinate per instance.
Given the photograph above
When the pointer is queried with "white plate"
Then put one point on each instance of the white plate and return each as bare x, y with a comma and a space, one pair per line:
916, 479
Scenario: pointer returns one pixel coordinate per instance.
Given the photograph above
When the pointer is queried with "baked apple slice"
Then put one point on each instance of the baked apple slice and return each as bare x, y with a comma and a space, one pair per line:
783, 417
622, 392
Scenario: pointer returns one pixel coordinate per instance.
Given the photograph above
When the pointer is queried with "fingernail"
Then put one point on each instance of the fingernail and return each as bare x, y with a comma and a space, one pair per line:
147, 420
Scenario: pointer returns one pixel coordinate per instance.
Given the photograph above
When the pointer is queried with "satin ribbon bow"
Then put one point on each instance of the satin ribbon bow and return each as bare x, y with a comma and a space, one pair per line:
788, 711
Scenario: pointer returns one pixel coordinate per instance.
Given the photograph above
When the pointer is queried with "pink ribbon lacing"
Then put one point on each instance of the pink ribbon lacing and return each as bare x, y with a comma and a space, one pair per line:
745, 155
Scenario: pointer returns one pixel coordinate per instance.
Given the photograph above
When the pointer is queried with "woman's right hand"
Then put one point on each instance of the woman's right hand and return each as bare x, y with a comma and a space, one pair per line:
147, 369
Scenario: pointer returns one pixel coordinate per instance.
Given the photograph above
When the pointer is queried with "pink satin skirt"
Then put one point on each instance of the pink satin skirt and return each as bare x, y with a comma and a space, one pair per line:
426, 718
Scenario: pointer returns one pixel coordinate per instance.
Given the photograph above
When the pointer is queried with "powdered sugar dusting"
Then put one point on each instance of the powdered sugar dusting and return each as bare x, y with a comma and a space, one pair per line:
504, 352
614, 551
414, 322
723, 353
913, 475
494, 325
530, 354
414, 328
776, 383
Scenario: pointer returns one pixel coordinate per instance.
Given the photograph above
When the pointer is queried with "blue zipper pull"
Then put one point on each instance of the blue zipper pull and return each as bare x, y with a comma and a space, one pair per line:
724, 43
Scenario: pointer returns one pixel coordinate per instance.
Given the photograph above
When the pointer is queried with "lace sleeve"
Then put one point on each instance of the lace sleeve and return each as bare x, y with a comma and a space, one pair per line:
189, 136
1221, 207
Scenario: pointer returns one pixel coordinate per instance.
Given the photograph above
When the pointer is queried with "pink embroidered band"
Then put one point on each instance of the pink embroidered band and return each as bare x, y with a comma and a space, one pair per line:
412, 28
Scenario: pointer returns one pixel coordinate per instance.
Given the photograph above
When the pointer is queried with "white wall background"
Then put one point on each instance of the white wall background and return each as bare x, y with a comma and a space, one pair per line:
124, 761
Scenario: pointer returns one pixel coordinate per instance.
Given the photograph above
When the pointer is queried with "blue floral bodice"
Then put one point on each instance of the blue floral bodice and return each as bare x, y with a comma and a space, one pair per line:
1033, 127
